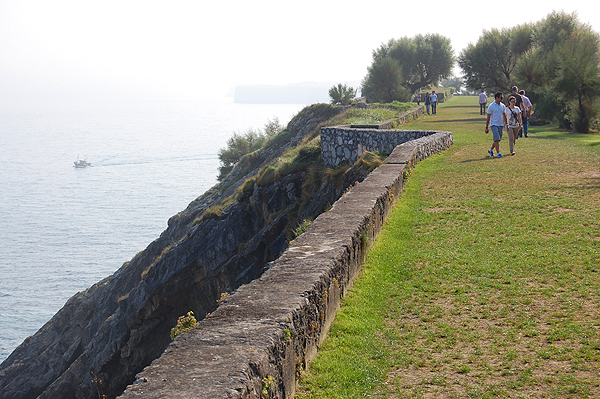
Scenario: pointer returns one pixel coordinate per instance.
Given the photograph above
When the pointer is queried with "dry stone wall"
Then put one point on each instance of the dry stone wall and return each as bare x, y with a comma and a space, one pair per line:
268, 330
345, 144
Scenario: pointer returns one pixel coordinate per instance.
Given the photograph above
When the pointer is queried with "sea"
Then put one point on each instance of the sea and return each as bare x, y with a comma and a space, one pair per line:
63, 228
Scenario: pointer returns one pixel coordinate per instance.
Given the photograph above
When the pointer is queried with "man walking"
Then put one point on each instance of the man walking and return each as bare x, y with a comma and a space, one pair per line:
527, 105
434, 100
514, 92
497, 118
482, 102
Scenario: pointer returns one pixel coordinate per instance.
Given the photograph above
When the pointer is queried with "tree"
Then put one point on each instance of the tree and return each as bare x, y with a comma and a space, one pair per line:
454, 81
490, 62
423, 59
341, 94
383, 82
577, 79
554, 30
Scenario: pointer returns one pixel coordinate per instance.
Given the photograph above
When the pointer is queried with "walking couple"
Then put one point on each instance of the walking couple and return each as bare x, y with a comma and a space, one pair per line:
498, 116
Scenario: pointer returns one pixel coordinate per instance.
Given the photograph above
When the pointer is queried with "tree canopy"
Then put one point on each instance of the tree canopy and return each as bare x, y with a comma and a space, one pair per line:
490, 63
407, 65
341, 94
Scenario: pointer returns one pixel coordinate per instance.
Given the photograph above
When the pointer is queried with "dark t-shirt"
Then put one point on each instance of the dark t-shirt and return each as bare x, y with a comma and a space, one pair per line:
518, 97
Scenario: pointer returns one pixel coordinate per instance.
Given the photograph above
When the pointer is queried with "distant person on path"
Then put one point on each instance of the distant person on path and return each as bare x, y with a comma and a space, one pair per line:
434, 100
497, 118
527, 105
419, 99
514, 121
427, 102
482, 102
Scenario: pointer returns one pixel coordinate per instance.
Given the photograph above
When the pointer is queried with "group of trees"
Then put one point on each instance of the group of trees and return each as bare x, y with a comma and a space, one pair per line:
556, 61
401, 68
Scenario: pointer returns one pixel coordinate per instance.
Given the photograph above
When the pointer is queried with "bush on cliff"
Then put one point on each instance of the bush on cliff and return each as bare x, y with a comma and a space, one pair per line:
241, 144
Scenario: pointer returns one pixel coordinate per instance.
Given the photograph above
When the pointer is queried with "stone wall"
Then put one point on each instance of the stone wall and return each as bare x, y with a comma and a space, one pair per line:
269, 330
345, 144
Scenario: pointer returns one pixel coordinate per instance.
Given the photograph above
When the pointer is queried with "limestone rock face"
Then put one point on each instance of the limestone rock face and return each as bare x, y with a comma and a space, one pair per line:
103, 337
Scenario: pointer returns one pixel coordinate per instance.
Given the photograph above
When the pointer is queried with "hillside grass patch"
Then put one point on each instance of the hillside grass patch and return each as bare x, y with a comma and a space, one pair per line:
367, 116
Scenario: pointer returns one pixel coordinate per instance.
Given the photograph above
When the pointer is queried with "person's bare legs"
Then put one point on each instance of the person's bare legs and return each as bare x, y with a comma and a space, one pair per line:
496, 145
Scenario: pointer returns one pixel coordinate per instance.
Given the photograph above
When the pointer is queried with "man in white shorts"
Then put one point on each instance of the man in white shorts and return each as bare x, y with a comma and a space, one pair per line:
497, 118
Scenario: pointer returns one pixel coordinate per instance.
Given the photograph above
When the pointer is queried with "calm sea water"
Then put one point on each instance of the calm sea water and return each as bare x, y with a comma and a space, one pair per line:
63, 229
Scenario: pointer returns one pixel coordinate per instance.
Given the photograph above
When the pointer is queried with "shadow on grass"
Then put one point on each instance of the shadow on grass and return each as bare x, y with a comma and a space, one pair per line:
590, 183
466, 120
483, 158
555, 133
472, 107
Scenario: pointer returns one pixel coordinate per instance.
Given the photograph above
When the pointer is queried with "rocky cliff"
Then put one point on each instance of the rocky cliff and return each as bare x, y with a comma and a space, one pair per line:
102, 337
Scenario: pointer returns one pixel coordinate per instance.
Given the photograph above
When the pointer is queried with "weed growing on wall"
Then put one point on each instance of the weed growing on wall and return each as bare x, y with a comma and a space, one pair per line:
302, 227
184, 323
268, 384
224, 296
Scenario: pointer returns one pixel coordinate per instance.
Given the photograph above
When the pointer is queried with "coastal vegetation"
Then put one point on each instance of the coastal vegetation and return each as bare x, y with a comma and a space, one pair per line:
484, 282
555, 60
240, 144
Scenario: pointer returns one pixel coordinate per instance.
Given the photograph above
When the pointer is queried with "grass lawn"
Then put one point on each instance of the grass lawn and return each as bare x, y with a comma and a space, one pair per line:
485, 281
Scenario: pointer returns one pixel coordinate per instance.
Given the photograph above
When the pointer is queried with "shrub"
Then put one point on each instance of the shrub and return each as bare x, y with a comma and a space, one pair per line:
342, 94
302, 227
241, 144
184, 323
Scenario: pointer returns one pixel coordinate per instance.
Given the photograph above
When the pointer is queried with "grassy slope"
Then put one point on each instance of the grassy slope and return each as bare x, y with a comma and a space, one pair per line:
485, 281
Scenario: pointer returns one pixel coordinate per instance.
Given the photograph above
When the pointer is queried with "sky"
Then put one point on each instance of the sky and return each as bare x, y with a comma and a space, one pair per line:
204, 48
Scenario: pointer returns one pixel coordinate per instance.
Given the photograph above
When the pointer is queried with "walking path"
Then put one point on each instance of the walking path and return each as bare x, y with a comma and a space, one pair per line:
485, 281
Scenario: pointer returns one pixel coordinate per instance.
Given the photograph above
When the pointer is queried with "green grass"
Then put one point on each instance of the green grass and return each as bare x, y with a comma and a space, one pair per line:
365, 116
485, 281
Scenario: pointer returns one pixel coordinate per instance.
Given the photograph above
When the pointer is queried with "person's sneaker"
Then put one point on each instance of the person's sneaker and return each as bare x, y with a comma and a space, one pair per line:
500, 155
526, 135
491, 152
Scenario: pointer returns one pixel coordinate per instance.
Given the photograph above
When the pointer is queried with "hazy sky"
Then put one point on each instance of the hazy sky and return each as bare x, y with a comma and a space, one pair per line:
87, 47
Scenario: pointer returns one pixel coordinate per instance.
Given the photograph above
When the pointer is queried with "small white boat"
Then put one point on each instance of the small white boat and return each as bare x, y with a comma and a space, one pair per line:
81, 163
